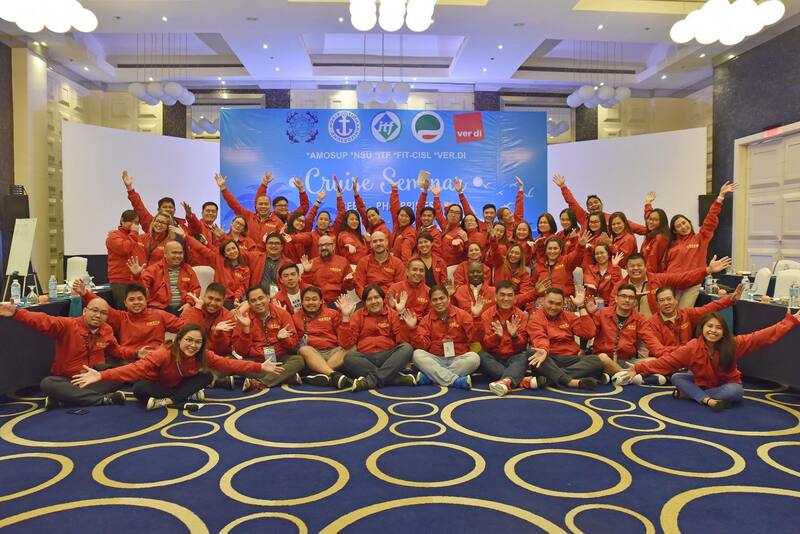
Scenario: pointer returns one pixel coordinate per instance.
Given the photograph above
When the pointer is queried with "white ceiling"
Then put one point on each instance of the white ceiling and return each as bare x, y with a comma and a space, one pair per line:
309, 46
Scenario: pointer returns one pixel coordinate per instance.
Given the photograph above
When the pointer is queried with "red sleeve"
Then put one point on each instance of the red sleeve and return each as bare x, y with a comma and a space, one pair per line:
573, 204
242, 342
195, 246
303, 207
234, 204
638, 229
420, 336
46, 324
311, 217
119, 244
172, 323
286, 321
399, 271
695, 314
361, 208
193, 224
340, 210
747, 343
423, 198
194, 287
437, 208
680, 280
145, 217
465, 204
231, 365
583, 326
711, 221
537, 332
519, 206
669, 363
360, 276
650, 339
574, 259
348, 331
142, 369
626, 245
394, 205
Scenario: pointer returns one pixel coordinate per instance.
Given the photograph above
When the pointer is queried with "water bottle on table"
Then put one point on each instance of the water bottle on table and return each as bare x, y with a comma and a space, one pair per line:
52, 287
794, 295
16, 293
707, 284
746, 288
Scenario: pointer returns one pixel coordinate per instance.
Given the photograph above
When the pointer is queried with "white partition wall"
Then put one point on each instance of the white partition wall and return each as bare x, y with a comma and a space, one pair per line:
621, 171
94, 196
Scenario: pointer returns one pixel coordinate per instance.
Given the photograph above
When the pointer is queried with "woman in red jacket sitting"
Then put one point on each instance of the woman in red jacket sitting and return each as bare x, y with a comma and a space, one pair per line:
713, 377
175, 373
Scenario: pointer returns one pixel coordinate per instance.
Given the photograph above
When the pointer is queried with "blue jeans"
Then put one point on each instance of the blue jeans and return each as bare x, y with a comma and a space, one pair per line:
731, 392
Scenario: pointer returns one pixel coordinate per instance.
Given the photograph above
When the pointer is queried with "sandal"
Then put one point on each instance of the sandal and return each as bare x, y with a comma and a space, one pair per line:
717, 407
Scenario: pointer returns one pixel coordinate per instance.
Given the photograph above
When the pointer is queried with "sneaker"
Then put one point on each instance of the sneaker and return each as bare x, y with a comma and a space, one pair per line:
604, 378
404, 380
200, 396
154, 403
191, 406
360, 384
423, 379
295, 380
319, 380
462, 382
501, 387
251, 384
587, 383
50, 403
623, 379
117, 398
533, 382
340, 381
227, 382
655, 380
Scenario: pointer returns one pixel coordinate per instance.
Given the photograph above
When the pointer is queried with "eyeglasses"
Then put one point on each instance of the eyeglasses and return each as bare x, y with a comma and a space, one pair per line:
626, 297
98, 311
193, 341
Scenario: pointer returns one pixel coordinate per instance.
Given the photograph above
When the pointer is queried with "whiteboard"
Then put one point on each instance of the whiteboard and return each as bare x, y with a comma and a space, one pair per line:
93, 159
21, 246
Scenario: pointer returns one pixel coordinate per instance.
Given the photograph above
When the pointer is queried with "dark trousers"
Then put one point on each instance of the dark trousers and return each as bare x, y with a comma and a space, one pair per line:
559, 370
61, 389
292, 365
118, 294
512, 367
144, 389
378, 368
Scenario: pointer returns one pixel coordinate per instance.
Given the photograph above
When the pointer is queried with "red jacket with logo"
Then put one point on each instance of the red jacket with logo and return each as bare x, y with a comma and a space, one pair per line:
503, 347
464, 298
362, 210
320, 332
256, 228
122, 245
235, 279
557, 334
695, 356
560, 273
435, 232
346, 237
675, 280
432, 332
159, 293
76, 345
418, 299
159, 366
653, 249
145, 217
372, 333
369, 271
690, 252
610, 338
220, 342
663, 337
461, 278
265, 333
604, 283
452, 253
330, 276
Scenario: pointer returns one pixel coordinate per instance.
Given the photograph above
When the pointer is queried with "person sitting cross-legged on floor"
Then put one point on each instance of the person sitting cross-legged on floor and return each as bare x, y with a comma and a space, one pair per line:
80, 341
552, 332
174, 373
442, 338
712, 377
375, 356
504, 357
318, 328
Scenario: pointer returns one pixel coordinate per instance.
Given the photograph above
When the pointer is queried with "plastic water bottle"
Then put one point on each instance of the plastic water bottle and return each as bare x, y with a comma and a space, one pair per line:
52, 287
707, 284
794, 295
746, 289
87, 280
16, 293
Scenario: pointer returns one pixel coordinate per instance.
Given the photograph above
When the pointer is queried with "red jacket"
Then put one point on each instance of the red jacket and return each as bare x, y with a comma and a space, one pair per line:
604, 283
654, 281
402, 240
464, 298
345, 238
460, 277
122, 245
256, 228
691, 251
372, 333
439, 268
583, 215
560, 274
369, 271
219, 342
159, 366
432, 332
663, 337
418, 299
330, 276
282, 297
452, 254
705, 367
610, 339
153, 247
557, 335
519, 211
320, 332
76, 345
625, 243
145, 217
264, 333
503, 347
257, 261
653, 249
362, 210
436, 234
569, 241
136, 330
199, 227
302, 196
302, 243
159, 293
235, 279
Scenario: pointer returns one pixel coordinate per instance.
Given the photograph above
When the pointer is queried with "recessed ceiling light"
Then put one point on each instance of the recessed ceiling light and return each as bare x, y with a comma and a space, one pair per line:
150, 79
86, 68
499, 47
164, 19
223, 82
265, 46
415, 78
663, 76
600, 26
602, 84
219, 78
412, 85
277, 69
341, 19
36, 43
43, 43
731, 56
596, 88
702, 55
485, 69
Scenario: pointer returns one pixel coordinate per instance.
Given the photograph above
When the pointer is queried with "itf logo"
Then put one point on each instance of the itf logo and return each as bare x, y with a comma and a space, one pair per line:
469, 127
386, 126
344, 126
427, 126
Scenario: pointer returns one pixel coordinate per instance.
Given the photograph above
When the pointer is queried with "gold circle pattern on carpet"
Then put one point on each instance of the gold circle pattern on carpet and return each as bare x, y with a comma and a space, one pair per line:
226, 482
392, 409
31, 406
595, 425
625, 478
301, 526
66, 468
629, 406
196, 415
214, 427
649, 528
99, 475
614, 421
764, 450
372, 465
376, 393
737, 467
441, 429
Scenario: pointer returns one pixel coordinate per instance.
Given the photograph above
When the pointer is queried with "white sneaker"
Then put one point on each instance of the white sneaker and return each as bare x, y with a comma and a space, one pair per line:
623, 379
500, 388
154, 403
199, 396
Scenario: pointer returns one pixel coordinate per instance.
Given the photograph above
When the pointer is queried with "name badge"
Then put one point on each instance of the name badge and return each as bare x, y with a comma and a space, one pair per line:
449, 349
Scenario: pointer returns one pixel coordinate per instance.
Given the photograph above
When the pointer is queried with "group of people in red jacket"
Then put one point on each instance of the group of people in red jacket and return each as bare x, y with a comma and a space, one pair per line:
353, 302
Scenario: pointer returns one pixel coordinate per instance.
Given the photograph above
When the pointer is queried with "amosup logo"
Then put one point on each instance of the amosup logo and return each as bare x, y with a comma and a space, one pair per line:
344, 126
427, 126
386, 126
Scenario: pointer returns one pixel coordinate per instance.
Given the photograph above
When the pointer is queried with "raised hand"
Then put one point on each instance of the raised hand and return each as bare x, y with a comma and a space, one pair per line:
583, 238
195, 299
355, 185
537, 358
222, 182
143, 352
451, 286
477, 307
426, 184
543, 285
242, 316
271, 367
177, 230
134, 266
346, 305
86, 377
410, 318
350, 248
591, 305
279, 304
513, 325
187, 209
267, 178
78, 287
579, 299
737, 295
225, 326
497, 328
436, 189
458, 185
127, 180
520, 183
7, 309
286, 237
617, 258
559, 180
393, 185
402, 300
727, 187
715, 265
218, 232
349, 276
306, 263
284, 333
650, 197
297, 182
321, 195
604, 238
338, 185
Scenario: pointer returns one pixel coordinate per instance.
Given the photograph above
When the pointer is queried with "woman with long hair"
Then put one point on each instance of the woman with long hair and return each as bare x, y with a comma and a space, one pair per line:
512, 267
570, 229
300, 241
523, 236
622, 239
403, 238
156, 237
239, 233
557, 267
712, 377
603, 271
350, 242
175, 372
472, 227
435, 267
545, 229
230, 265
654, 246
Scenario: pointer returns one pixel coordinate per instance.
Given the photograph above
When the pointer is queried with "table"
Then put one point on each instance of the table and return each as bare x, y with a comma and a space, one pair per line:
25, 354
779, 362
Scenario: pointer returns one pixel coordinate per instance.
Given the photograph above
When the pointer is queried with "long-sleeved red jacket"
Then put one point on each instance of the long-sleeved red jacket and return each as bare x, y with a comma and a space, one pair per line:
123, 245
610, 339
464, 298
503, 347
330, 276
265, 333
320, 332
235, 279
159, 293
691, 251
418, 299
458, 326
372, 333
219, 342
369, 271
664, 337
557, 334
256, 227
654, 281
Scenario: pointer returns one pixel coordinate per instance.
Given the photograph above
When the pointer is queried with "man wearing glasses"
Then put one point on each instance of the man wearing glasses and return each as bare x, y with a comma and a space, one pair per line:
328, 271
80, 341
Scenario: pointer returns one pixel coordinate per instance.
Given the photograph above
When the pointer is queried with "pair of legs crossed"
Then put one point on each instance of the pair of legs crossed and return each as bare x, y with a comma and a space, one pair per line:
379, 369
445, 371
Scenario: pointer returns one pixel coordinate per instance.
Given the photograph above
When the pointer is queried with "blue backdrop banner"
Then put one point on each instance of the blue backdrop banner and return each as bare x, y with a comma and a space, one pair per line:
486, 150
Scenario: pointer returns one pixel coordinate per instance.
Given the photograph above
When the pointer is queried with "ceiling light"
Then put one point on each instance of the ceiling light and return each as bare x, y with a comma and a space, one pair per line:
602, 84
164, 19
86, 68
277, 69
600, 27
415, 78
485, 69
265, 46
219, 78
36, 43
499, 47
412, 85
43, 43
731, 56
341, 19
150, 79
663, 76
58, 16
223, 82
728, 23
702, 55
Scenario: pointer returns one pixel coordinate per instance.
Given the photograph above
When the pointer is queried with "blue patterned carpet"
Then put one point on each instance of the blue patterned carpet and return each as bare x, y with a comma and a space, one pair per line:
406, 460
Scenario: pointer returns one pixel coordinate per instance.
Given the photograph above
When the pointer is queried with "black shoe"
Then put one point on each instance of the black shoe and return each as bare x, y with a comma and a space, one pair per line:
404, 380
51, 404
360, 384
117, 398
320, 380
587, 383
340, 381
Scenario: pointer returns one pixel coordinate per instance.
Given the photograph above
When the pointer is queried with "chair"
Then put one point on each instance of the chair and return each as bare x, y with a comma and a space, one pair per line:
761, 282
783, 265
205, 275
784, 279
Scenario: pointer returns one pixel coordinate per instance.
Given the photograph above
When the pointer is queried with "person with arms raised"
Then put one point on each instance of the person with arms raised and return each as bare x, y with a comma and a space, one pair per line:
656, 240
712, 376
403, 237
205, 228
371, 217
123, 244
259, 223
166, 206
593, 205
426, 219
280, 203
